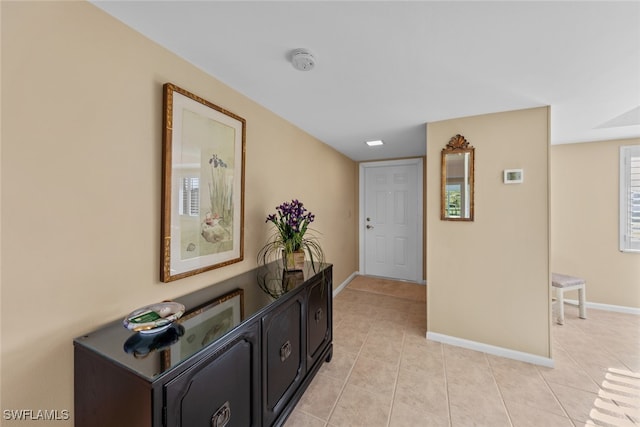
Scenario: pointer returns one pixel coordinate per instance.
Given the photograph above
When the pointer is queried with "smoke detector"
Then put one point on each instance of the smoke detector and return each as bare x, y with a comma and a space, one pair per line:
302, 60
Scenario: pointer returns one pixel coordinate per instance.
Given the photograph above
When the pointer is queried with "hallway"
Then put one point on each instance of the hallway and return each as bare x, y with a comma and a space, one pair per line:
385, 373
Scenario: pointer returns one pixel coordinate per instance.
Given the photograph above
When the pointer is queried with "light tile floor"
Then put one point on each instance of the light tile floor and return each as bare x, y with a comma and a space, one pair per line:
385, 373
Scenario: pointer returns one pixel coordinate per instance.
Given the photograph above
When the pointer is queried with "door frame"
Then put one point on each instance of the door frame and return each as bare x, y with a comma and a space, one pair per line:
419, 162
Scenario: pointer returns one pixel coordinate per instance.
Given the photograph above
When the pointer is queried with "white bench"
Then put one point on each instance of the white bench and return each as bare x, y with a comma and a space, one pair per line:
564, 283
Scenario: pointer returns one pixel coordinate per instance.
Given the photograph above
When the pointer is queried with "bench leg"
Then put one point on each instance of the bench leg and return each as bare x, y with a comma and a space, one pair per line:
560, 297
582, 302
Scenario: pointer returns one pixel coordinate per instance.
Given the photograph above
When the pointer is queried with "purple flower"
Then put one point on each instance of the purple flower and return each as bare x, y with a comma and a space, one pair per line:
216, 161
291, 219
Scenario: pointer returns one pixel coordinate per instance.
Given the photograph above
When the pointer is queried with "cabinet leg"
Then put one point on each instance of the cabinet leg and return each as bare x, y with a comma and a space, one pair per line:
329, 356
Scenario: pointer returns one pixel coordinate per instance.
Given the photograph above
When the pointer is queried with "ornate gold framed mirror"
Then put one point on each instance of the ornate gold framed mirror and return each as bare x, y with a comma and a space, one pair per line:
456, 201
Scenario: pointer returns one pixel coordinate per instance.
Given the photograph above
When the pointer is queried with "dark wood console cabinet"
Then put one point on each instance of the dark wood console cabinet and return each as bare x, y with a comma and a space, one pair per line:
251, 375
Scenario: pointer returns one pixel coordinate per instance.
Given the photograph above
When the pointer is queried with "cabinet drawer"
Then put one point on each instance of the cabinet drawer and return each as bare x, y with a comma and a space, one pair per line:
283, 363
216, 392
318, 320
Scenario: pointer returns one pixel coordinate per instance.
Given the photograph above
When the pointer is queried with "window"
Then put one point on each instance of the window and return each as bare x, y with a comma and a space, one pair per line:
190, 196
453, 200
630, 198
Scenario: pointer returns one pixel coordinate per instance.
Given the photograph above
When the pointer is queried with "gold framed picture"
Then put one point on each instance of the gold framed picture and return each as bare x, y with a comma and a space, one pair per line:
202, 185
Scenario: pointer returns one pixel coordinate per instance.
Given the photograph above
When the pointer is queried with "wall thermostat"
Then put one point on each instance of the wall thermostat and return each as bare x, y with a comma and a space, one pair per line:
513, 176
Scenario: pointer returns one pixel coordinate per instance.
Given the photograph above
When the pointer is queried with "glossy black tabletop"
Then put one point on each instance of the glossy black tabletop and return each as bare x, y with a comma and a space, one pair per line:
211, 314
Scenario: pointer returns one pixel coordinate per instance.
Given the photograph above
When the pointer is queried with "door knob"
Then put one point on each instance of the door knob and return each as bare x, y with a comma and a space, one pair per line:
369, 226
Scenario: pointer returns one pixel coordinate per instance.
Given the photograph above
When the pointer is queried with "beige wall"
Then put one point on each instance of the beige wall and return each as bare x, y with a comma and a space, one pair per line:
81, 171
488, 280
584, 222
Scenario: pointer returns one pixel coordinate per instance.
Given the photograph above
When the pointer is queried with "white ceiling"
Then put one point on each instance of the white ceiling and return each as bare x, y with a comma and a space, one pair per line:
385, 68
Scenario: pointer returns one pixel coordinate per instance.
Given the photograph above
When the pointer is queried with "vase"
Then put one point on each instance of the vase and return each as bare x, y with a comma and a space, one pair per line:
293, 261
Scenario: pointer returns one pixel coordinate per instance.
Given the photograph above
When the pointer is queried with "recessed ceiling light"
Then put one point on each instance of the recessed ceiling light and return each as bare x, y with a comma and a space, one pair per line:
374, 143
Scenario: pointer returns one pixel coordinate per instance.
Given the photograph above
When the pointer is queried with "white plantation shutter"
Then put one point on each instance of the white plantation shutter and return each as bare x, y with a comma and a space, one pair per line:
190, 196
630, 198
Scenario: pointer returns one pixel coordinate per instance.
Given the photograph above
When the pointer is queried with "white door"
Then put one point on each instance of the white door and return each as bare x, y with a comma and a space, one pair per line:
391, 219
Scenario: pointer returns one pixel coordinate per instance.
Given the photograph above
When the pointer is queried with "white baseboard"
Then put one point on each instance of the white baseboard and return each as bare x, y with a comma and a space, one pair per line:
607, 307
344, 284
491, 349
